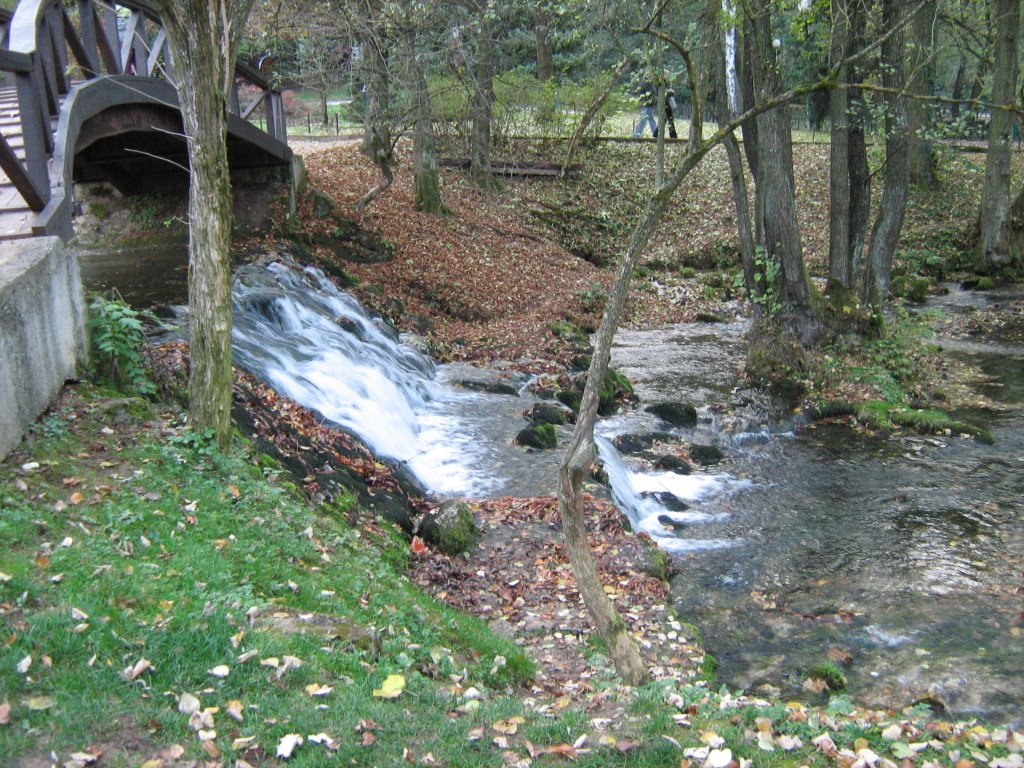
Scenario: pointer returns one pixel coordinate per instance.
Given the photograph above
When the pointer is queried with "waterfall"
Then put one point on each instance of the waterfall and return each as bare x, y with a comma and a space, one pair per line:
318, 346
640, 496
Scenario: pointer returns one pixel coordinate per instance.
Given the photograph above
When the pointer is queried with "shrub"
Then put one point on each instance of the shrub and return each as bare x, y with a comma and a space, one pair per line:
118, 341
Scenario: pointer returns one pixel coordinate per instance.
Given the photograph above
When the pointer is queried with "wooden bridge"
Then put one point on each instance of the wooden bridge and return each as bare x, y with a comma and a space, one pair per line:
87, 94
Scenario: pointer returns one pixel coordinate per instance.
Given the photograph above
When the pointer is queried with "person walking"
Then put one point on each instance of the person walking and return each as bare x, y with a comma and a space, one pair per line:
648, 98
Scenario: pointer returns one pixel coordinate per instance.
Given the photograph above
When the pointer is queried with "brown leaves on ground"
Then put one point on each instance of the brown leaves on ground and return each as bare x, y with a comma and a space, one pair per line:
486, 275
518, 578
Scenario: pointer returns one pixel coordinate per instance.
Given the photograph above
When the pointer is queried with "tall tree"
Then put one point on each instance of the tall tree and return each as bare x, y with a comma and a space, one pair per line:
778, 226
370, 19
994, 247
920, 153
203, 36
482, 97
545, 50
426, 182
889, 222
849, 180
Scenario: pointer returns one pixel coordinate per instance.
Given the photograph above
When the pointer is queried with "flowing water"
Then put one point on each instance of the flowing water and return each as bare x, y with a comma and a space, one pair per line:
904, 553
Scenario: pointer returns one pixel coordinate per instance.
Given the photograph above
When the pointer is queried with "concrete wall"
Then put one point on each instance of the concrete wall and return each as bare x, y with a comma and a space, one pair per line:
42, 330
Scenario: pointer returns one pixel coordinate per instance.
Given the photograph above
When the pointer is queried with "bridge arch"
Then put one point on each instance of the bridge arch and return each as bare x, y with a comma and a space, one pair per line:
117, 116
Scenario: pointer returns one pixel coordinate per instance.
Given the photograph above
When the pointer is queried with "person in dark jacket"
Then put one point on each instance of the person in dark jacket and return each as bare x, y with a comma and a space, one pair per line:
647, 95
670, 110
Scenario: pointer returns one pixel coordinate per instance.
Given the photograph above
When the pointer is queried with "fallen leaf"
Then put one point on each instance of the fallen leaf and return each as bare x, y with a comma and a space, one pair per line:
718, 758
417, 547
368, 739
140, 666
38, 703
326, 740
211, 749
78, 614
242, 742
392, 687
508, 726
5, 713
234, 710
287, 745
23, 665
187, 704
221, 670
313, 689
76, 498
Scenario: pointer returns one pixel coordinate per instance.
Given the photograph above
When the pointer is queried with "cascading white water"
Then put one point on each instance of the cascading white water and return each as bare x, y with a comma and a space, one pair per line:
318, 346
634, 495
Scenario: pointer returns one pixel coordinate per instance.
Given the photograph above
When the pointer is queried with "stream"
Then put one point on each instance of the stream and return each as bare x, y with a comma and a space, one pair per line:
900, 555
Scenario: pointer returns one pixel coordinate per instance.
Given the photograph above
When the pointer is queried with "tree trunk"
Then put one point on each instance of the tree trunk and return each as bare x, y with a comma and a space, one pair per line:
775, 189
994, 252
378, 143
580, 453
889, 223
545, 52
716, 55
426, 182
920, 154
203, 35
849, 181
482, 104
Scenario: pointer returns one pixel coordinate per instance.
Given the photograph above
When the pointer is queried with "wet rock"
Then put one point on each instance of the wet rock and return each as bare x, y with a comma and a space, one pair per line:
390, 507
549, 413
490, 387
570, 398
706, 454
709, 317
670, 463
655, 562
350, 326
633, 444
676, 414
539, 436
450, 527
669, 501
417, 342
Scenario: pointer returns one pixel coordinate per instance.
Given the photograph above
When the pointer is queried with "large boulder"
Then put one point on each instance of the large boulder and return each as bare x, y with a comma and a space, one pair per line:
451, 528
706, 454
549, 413
676, 414
540, 436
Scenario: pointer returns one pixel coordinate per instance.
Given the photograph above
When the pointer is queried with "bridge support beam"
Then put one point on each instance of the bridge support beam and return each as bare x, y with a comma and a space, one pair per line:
42, 331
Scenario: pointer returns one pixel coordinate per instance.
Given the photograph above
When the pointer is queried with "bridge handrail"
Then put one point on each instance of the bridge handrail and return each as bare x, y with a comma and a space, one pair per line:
43, 40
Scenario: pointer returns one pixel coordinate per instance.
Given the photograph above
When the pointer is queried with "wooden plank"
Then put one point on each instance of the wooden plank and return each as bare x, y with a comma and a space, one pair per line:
15, 224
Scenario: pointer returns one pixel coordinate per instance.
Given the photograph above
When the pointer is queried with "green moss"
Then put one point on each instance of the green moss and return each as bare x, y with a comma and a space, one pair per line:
540, 436
985, 284
828, 672
913, 288
833, 409
571, 398
566, 330
709, 667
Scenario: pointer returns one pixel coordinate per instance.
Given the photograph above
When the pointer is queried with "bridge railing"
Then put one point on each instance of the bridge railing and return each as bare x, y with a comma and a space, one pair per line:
51, 43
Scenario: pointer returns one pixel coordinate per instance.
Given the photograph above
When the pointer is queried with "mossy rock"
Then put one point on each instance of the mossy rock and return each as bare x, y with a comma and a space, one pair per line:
670, 463
451, 528
676, 414
830, 674
913, 288
706, 454
540, 436
570, 398
548, 413
614, 388
709, 317
655, 562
